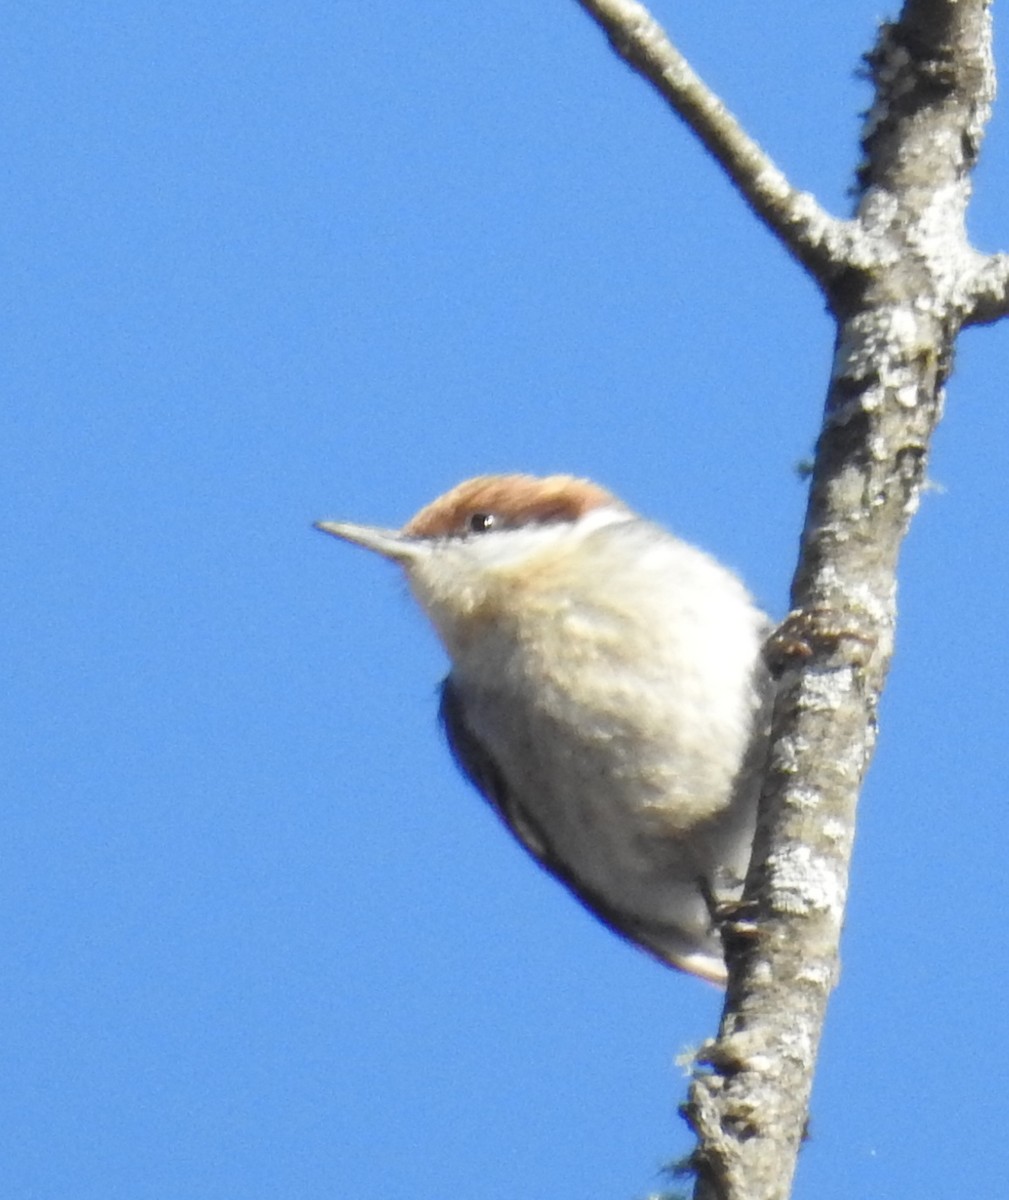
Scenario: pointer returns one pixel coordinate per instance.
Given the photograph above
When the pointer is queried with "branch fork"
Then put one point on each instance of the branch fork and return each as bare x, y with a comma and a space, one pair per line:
901, 280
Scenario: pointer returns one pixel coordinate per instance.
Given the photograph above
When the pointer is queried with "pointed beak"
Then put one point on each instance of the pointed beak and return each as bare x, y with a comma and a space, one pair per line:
390, 543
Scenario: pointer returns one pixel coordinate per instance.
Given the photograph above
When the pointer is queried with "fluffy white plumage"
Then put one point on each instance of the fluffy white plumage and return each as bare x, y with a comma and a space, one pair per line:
607, 695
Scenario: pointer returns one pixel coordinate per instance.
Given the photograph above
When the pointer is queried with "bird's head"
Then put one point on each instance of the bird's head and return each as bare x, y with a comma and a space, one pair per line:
485, 546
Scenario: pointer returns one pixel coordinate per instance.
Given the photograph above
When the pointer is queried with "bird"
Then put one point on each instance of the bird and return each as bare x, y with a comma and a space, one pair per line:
607, 694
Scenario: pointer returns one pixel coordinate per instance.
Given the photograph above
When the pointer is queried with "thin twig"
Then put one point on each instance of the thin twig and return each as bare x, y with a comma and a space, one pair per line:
988, 291
825, 245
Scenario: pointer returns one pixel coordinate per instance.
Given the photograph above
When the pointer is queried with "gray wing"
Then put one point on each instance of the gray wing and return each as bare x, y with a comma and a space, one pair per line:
474, 761
479, 767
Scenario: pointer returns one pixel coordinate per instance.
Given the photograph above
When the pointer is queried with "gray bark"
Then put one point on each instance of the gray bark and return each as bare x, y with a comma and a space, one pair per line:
901, 280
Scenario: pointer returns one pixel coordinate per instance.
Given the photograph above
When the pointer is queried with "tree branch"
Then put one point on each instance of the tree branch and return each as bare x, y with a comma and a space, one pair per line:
934, 80
823, 244
901, 280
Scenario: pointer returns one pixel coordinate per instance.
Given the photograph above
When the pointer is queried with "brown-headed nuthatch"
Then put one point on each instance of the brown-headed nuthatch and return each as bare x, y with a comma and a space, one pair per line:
607, 695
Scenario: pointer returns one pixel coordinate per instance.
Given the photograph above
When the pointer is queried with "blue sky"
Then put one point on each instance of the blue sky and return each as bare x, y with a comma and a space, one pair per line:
270, 263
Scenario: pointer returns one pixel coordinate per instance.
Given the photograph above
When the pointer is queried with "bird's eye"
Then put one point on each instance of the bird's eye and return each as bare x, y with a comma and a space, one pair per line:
480, 522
